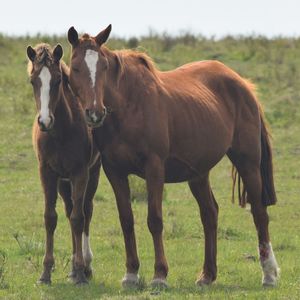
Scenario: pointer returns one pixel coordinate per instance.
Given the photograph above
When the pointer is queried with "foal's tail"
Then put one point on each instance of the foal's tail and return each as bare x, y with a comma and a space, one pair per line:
266, 170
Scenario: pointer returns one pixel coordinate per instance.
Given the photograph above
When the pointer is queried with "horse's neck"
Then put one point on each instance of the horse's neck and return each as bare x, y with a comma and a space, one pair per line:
124, 86
62, 114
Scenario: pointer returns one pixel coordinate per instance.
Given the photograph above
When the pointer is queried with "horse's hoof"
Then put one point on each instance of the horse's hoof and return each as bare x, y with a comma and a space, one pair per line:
130, 280
88, 272
269, 281
203, 281
159, 283
72, 274
81, 282
45, 281
81, 279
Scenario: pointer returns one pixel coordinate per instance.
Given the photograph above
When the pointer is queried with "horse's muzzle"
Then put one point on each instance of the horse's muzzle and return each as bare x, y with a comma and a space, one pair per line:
45, 126
94, 118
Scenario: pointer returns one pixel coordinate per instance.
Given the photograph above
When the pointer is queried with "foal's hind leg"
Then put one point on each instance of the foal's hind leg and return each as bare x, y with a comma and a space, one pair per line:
249, 170
209, 216
64, 188
49, 183
88, 211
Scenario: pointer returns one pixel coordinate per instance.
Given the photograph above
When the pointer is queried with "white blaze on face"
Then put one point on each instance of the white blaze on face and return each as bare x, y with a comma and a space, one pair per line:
45, 77
86, 249
91, 60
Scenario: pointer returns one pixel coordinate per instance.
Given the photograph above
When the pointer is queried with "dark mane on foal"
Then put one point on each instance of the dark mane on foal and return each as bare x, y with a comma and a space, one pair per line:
44, 56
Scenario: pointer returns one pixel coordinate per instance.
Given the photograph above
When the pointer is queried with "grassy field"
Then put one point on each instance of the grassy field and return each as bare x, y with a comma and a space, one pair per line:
274, 65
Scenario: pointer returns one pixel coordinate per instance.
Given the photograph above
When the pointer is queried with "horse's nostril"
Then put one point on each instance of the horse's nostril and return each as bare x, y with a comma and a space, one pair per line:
87, 112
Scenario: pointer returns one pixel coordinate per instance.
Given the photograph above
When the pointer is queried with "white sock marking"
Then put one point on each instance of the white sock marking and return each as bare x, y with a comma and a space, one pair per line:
86, 249
270, 267
45, 77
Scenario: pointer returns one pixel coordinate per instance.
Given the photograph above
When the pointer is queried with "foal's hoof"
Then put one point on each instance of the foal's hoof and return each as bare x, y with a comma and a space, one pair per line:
130, 280
78, 277
159, 283
203, 280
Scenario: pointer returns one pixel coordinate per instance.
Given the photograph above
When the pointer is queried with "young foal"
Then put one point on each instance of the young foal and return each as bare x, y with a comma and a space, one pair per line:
172, 127
67, 159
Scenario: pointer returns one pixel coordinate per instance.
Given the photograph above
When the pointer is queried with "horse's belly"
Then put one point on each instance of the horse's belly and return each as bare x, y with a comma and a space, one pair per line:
178, 171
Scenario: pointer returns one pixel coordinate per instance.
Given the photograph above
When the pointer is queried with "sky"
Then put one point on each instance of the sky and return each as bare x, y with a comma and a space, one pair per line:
137, 17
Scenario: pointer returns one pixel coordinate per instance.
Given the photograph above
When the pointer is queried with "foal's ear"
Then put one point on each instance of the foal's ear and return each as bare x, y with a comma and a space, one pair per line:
102, 37
73, 36
31, 53
58, 52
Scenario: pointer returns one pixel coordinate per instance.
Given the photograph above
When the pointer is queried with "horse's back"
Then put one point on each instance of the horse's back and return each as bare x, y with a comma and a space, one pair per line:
203, 104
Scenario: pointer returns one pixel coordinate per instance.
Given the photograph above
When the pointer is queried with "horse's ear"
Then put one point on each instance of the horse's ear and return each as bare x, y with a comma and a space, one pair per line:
58, 52
102, 37
73, 36
31, 53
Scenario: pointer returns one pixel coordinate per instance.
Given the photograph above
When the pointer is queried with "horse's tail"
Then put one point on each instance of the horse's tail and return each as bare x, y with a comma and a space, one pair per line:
242, 194
266, 170
266, 166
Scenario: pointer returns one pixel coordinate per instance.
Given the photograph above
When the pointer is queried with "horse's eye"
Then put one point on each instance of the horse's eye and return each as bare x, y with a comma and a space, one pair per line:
76, 70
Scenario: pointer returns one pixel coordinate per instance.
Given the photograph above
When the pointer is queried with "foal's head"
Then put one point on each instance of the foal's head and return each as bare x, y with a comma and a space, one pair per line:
88, 73
45, 77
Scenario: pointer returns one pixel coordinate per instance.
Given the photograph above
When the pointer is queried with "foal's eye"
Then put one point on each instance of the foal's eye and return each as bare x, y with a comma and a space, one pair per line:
76, 70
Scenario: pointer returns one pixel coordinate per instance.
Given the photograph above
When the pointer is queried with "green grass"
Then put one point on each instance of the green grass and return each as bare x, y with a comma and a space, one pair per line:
274, 65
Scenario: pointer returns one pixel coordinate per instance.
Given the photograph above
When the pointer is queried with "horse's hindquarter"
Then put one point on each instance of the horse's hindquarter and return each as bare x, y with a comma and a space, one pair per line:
201, 123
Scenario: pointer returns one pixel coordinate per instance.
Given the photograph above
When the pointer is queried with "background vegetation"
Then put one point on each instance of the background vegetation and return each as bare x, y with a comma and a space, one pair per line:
274, 65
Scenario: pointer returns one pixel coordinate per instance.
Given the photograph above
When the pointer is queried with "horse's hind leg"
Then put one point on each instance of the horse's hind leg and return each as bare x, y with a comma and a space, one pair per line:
201, 190
64, 188
88, 211
249, 170
49, 183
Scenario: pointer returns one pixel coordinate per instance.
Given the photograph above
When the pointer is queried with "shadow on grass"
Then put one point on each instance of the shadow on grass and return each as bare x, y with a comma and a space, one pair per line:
98, 291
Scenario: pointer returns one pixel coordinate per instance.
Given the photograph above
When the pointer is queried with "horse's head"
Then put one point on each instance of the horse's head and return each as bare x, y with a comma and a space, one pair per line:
45, 77
88, 73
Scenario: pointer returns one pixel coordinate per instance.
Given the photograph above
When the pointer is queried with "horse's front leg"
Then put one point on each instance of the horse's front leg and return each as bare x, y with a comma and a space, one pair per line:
49, 183
119, 183
154, 174
79, 183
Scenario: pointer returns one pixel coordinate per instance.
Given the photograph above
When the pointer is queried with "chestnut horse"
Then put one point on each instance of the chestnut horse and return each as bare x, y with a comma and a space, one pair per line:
172, 127
68, 162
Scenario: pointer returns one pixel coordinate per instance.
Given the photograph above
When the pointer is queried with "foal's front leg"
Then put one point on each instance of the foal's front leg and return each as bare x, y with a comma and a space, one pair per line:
88, 211
49, 183
154, 173
79, 183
